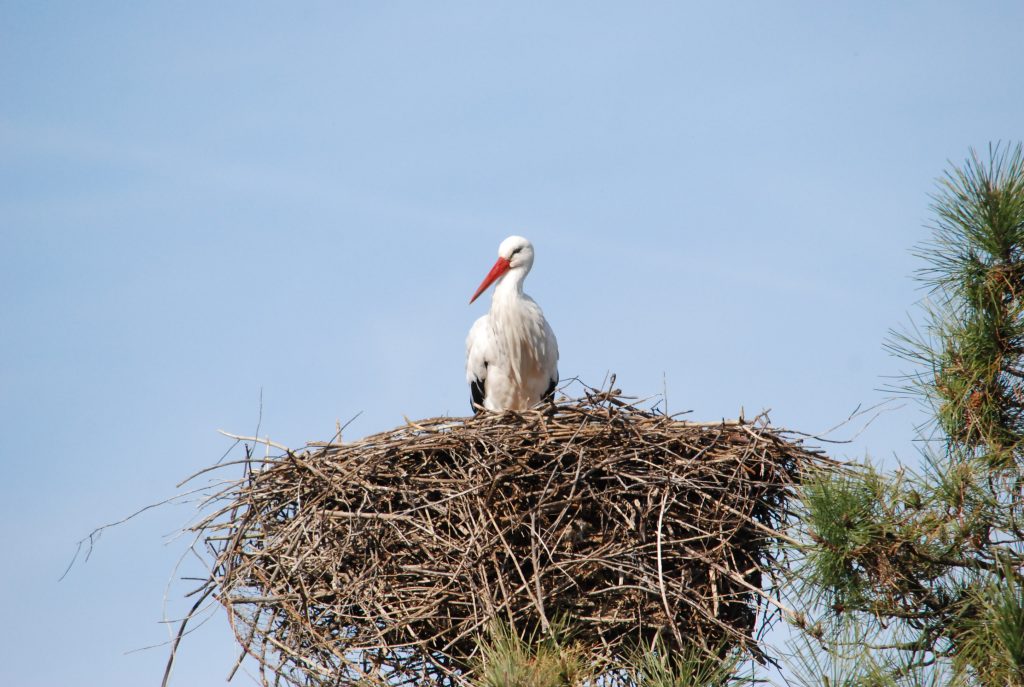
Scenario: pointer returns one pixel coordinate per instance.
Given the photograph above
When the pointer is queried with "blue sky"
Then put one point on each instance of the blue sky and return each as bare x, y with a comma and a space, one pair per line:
200, 201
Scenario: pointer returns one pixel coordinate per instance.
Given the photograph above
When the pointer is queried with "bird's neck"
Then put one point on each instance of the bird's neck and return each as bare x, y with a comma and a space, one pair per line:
509, 288
512, 329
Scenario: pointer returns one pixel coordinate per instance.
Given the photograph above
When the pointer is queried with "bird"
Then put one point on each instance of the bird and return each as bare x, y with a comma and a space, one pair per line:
511, 352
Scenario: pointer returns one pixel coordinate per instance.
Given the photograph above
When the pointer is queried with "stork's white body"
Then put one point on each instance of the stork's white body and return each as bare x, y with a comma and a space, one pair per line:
511, 352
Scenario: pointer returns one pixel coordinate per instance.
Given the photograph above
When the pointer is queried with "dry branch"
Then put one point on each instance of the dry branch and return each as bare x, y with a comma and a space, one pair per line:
384, 559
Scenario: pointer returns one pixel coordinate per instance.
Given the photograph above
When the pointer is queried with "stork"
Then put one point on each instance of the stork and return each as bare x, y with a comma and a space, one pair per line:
511, 352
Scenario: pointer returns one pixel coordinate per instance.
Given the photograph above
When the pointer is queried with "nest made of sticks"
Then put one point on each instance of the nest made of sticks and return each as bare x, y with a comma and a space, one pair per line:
385, 559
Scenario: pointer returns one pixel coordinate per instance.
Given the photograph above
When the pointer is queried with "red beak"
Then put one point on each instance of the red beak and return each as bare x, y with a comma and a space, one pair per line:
500, 268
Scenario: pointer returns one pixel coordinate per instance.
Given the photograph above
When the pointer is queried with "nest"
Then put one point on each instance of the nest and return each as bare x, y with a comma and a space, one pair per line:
384, 560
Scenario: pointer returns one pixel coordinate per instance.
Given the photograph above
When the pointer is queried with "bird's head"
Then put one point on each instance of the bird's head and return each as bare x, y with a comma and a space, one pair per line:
518, 251
514, 253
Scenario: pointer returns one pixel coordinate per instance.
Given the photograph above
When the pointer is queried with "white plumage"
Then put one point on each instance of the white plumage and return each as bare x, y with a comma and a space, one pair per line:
511, 352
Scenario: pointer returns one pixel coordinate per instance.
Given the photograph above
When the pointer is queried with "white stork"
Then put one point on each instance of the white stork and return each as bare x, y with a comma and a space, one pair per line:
511, 352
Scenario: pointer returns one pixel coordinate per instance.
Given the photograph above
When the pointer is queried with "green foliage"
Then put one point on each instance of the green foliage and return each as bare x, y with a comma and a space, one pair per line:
552, 659
694, 667
847, 664
843, 519
974, 333
509, 660
992, 646
918, 577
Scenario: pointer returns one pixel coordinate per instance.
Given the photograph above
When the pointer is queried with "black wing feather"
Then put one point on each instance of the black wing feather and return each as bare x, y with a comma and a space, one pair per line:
550, 393
476, 392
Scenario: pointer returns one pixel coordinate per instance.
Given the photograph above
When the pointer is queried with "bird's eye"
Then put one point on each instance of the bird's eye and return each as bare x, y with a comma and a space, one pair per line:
515, 250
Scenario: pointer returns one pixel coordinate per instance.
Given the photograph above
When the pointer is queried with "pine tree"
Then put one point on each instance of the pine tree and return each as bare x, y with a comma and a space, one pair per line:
917, 576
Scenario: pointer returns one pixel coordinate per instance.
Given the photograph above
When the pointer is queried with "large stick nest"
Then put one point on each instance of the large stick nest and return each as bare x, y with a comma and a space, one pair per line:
385, 559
